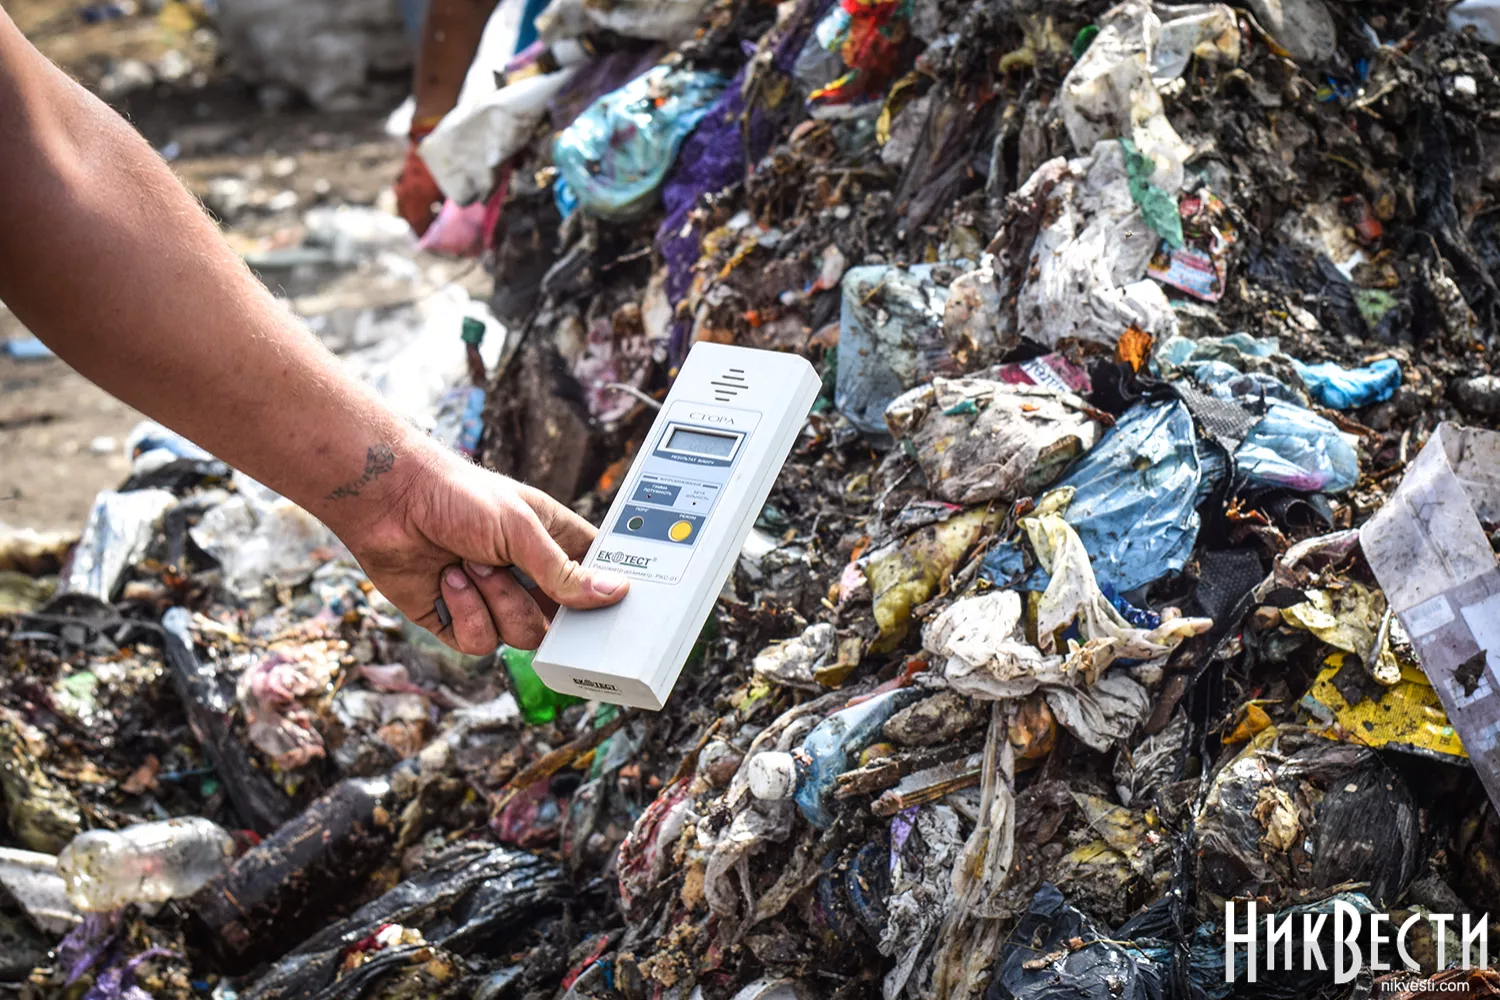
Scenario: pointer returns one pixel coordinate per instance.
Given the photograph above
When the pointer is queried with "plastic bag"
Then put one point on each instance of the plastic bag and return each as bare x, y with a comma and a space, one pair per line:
1087, 271
1110, 94
1057, 953
470, 142
890, 339
1346, 388
1299, 450
457, 230
616, 155
980, 440
1134, 503
119, 529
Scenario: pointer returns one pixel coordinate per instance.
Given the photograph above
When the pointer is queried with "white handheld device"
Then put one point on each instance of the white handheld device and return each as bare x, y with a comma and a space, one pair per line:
679, 520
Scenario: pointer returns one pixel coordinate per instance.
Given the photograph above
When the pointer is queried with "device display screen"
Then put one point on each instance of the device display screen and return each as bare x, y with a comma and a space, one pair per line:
702, 442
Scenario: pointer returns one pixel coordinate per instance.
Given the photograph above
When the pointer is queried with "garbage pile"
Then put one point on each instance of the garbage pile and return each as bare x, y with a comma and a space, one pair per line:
1138, 557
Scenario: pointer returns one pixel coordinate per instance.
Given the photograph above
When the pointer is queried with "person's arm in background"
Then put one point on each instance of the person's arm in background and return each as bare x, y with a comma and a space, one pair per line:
451, 32
109, 260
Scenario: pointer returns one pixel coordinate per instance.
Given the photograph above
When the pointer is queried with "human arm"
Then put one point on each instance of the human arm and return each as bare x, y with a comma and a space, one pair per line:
111, 262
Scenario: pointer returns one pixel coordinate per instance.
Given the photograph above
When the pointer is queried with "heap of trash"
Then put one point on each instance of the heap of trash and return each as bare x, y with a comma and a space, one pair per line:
1138, 559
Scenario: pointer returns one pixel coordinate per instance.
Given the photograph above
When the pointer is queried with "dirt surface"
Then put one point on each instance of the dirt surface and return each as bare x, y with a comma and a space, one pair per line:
257, 169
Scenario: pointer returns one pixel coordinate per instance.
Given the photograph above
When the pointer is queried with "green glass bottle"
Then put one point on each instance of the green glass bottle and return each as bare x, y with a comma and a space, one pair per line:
539, 703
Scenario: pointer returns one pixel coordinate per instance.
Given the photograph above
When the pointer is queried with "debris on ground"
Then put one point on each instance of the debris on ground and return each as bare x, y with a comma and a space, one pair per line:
1138, 558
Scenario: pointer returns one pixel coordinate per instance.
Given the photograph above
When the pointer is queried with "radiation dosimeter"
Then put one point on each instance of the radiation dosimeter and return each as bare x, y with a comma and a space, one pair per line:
678, 522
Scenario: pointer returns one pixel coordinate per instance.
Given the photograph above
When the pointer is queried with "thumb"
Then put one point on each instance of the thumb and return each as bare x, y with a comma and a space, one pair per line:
563, 579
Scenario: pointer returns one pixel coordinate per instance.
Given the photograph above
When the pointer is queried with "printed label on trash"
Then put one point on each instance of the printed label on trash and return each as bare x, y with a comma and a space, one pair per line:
1431, 554
1189, 270
1426, 617
1050, 371
1200, 267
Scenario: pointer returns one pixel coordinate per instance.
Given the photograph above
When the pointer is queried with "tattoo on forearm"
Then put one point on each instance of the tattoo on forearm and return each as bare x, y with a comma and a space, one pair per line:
378, 461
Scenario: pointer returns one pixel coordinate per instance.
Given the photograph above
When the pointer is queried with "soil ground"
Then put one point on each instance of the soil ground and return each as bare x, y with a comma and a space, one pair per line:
212, 128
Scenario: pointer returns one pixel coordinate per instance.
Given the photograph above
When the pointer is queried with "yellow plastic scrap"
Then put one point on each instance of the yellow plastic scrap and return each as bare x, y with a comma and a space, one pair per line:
1122, 829
904, 575
833, 674
899, 96
177, 16
1253, 719
1041, 36
1349, 619
1408, 716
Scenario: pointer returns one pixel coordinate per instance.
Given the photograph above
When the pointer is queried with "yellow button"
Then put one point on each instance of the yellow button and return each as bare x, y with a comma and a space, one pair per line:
680, 531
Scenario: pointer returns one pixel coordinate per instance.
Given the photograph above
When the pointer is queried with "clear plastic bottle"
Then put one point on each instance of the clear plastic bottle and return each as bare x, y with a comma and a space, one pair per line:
150, 863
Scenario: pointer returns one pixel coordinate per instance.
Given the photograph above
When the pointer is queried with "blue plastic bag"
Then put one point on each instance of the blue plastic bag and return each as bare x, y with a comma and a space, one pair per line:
1299, 450
1223, 381
1135, 505
890, 339
1346, 388
616, 155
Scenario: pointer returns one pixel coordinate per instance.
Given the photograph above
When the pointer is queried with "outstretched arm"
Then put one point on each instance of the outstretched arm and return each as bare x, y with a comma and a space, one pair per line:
111, 262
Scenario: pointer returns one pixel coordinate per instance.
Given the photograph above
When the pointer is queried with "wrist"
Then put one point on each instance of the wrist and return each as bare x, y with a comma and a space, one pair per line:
371, 511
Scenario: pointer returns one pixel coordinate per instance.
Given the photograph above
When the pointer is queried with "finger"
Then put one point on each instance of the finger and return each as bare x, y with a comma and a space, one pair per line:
473, 629
559, 577
520, 621
571, 532
547, 605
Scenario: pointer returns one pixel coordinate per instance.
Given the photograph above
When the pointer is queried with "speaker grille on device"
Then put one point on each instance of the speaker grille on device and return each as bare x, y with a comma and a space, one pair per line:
729, 384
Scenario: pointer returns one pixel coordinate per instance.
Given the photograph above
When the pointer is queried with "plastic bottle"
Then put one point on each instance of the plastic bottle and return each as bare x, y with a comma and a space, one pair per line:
810, 772
539, 703
283, 888
150, 863
472, 333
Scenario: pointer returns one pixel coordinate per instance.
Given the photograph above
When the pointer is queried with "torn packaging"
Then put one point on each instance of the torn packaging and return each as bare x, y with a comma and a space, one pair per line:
1138, 534
1428, 548
978, 440
1288, 788
1090, 260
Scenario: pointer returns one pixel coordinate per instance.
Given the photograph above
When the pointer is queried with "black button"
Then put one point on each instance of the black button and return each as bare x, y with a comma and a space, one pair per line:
635, 523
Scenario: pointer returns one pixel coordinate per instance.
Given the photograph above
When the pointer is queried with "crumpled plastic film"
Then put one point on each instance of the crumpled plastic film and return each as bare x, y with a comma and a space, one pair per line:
1299, 450
1133, 502
119, 529
890, 338
463, 151
1407, 715
980, 440
1110, 93
616, 155
1088, 276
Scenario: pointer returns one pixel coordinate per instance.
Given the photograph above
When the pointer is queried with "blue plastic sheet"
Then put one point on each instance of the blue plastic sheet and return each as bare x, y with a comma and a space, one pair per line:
615, 156
1346, 388
1299, 450
1223, 381
1135, 503
1179, 352
890, 339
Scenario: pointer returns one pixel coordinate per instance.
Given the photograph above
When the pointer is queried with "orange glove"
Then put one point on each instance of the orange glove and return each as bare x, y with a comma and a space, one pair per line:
418, 196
